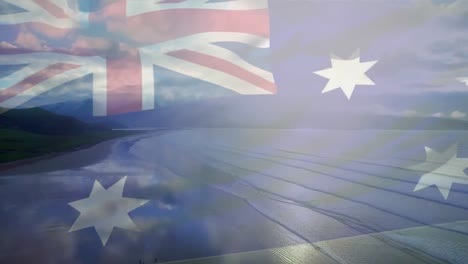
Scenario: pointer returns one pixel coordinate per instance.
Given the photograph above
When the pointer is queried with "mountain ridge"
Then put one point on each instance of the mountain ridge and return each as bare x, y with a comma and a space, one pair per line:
257, 112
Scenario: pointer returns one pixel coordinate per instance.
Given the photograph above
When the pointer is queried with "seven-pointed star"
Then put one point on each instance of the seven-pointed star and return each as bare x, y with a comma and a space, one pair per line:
106, 209
346, 74
444, 169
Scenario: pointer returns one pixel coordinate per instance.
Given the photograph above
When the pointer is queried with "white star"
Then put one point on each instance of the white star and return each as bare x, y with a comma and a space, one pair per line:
444, 169
346, 74
106, 209
464, 80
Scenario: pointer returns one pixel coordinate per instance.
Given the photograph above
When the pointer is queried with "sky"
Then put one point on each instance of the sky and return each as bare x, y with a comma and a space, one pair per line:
420, 48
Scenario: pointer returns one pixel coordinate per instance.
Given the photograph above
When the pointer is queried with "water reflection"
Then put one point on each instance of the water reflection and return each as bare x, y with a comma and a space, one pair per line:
206, 197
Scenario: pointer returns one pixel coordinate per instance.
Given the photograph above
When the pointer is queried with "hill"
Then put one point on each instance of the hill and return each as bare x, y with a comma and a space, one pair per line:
261, 112
37, 120
27, 133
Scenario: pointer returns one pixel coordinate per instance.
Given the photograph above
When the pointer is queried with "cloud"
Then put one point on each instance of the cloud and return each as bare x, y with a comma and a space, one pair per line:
29, 40
168, 94
409, 113
457, 114
7, 45
86, 43
422, 112
415, 42
463, 80
32, 228
385, 110
45, 30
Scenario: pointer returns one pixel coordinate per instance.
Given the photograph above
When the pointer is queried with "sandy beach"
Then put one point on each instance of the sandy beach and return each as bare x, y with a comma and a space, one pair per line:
247, 195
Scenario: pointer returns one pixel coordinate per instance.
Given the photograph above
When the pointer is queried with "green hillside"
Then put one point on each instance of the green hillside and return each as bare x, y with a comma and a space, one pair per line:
27, 133
37, 120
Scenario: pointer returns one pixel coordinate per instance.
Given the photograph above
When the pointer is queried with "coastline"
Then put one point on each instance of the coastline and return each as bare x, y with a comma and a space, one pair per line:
69, 159
88, 154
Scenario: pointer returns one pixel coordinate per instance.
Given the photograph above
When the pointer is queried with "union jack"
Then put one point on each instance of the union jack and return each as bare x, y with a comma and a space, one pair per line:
178, 35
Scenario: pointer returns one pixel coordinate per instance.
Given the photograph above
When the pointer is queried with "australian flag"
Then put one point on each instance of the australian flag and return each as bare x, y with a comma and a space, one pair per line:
120, 43
350, 148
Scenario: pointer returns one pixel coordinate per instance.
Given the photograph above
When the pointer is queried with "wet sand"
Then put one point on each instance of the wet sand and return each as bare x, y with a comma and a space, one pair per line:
277, 194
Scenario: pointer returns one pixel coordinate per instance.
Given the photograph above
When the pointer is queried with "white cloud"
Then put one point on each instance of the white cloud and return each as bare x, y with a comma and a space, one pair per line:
463, 80
383, 110
457, 114
409, 113
7, 45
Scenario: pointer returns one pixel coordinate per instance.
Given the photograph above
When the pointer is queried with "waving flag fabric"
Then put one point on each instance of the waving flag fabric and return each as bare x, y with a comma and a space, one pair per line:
121, 42
360, 156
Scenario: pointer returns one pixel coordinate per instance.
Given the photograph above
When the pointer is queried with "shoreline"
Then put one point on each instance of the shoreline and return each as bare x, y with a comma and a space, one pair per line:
70, 159
62, 160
